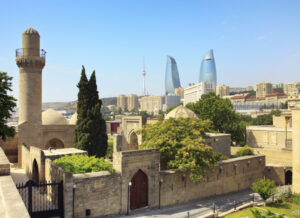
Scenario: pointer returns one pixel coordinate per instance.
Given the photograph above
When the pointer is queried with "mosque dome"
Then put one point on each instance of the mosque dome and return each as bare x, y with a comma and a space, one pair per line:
181, 112
31, 31
73, 119
52, 117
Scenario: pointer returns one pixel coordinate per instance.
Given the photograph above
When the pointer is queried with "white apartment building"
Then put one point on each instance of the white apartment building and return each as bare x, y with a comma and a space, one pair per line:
193, 93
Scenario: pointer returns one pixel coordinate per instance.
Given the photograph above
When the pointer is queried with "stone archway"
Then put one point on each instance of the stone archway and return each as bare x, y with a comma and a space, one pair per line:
133, 142
35, 172
139, 190
288, 177
54, 143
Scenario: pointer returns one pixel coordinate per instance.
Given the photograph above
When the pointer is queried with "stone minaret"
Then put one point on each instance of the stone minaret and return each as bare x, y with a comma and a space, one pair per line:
296, 149
30, 61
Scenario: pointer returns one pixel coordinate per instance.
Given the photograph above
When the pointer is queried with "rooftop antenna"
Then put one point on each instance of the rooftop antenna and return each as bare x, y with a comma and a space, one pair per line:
144, 74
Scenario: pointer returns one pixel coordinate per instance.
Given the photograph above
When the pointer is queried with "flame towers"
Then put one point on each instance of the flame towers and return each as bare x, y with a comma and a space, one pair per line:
172, 80
208, 71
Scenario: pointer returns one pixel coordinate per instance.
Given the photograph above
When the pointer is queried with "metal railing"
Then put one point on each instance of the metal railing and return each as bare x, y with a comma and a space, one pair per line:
30, 52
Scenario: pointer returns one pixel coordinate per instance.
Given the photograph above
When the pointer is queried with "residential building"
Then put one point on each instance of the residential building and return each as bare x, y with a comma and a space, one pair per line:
132, 102
122, 102
222, 90
172, 100
292, 88
180, 91
263, 89
193, 93
151, 103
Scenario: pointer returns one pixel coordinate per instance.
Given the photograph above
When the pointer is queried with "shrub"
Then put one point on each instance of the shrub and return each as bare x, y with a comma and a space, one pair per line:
264, 187
109, 150
244, 151
78, 163
296, 198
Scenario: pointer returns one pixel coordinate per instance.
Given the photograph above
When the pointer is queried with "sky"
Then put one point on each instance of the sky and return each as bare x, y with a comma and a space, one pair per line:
253, 41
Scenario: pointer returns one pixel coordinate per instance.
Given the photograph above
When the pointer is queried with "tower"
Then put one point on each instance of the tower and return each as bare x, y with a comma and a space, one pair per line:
172, 80
296, 149
30, 61
144, 75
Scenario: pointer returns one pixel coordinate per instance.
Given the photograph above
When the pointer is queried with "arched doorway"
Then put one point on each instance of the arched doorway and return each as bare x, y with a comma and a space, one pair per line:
54, 143
35, 172
288, 177
133, 145
139, 190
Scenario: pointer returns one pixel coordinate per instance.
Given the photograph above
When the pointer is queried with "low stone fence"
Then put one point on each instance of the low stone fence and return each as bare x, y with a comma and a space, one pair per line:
229, 176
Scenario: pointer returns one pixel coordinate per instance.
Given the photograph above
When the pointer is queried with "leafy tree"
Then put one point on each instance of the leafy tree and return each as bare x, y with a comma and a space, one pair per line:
173, 107
220, 112
181, 145
265, 188
7, 104
265, 119
278, 90
90, 130
246, 150
284, 105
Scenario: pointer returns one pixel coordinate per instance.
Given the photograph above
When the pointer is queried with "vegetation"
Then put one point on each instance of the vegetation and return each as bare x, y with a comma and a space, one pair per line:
265, 213
109, 151
181, 145
244, 151
7, 104
264, 187
220, 112
173, 107
78, 163
90, 130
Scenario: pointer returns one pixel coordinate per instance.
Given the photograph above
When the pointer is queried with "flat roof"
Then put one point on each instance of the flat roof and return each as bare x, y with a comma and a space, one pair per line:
63, 151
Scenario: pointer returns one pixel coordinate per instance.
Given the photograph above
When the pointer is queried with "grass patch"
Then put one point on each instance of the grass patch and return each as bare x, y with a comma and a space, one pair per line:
79, 163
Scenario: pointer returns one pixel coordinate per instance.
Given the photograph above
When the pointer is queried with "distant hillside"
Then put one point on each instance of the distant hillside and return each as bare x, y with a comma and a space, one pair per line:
72, 105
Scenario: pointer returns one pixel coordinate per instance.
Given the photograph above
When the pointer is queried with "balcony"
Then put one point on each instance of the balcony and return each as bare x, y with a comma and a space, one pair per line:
31, 52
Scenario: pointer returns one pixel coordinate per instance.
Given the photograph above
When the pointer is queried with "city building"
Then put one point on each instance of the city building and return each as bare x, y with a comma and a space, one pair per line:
180, 91
152, 103
172, 100
208, 71
278, 86
263, 89
122, 102
292, 88
222, 90
193, 93
132, 102
172, 80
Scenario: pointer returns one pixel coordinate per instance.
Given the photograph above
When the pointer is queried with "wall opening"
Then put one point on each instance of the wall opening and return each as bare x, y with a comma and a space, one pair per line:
54, 143
133, 142
35, 172
288, 177
139, 190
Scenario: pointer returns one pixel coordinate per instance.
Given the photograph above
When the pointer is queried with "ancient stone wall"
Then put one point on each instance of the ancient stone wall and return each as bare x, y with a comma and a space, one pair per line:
10, 147
277, 173
220, 142
229, 176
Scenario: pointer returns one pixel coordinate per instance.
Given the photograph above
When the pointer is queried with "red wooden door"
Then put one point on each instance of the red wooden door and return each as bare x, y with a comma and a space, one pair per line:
139, 190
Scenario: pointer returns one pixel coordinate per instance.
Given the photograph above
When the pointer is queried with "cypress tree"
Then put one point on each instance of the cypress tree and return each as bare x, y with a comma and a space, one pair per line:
97, 125
81, 131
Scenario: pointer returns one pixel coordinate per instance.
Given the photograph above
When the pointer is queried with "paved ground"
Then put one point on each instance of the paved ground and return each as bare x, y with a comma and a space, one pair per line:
201, 207
18, 175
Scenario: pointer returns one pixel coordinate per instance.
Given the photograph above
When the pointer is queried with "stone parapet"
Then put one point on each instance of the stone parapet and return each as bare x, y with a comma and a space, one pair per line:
4, 164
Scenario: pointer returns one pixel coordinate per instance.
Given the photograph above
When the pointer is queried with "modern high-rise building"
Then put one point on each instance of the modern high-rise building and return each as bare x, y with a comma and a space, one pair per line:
263, 89
172, 80
132, 102
292, 89
208, 71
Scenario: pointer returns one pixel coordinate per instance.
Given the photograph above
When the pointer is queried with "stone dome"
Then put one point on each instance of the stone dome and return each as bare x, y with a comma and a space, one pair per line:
181, 112
52, 117
31, 31
73, 119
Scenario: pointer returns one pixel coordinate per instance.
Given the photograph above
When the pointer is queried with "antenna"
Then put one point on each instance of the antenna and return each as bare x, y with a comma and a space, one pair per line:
144, 75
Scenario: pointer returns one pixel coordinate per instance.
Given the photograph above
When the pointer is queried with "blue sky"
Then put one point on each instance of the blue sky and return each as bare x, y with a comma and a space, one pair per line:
253, 41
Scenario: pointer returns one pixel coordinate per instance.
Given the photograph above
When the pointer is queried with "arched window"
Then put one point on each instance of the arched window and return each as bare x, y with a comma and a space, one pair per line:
288, 177
54, 143
35, 172
133, 142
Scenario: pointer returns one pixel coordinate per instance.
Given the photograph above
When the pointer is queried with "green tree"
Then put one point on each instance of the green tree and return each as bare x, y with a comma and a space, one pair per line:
90, 130
181, 145
7, 104
265, 188
220, 112
244, 151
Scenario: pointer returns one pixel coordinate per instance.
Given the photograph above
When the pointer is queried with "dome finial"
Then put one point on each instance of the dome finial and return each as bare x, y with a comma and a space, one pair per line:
31, 31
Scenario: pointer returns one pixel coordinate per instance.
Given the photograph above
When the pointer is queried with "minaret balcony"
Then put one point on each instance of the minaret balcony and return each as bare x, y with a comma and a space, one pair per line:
31, 52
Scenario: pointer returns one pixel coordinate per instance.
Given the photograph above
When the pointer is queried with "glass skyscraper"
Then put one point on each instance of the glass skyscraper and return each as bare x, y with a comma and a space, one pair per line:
172, 80
208, 71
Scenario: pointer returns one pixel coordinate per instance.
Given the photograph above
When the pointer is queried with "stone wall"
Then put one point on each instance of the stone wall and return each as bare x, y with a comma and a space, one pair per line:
273, 157
220, 142
4, 164
229, 176
10, 147
277, 173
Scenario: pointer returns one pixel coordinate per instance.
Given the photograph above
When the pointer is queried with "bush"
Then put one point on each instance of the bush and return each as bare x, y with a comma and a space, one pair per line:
244, 151
109, 151
264, 187
79, 163
296, 198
